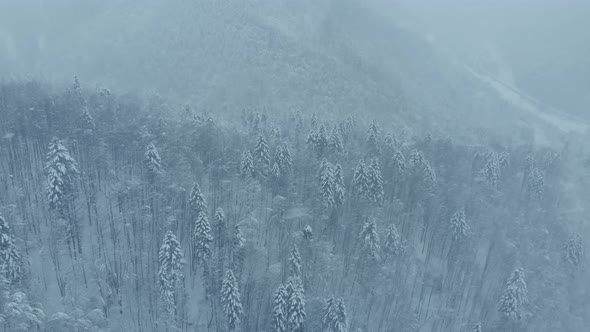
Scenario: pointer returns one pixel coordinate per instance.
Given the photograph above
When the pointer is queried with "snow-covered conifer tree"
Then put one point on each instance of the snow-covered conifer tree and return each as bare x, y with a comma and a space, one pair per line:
339, 190
360, 180
373, 140
370, 239
152, 160
262, 154
514, 295
295, 262
393, 246
279, 310
296, 305
573, 251
196, 201
375, 182
247, 165
230, 298
335, 142
170, 258
329, 316
10, 261
61, 172
326, 178
202, 239
458, 225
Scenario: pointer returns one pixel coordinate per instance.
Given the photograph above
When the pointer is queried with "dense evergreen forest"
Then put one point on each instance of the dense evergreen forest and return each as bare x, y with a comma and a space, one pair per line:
128, 213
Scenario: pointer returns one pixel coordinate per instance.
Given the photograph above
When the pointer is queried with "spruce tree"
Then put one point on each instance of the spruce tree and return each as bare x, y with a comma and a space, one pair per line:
458, 225
326, 179
335, 142
393, 246
170, 258
329, 317
318, 140
370, 239
339, 190
398, 164
197, 202
230, 298
152, 160
10, 261
279, 311
491, 170
514, 296
61, 173
296, 305
262, 154
247, 165
341, 322
360, 180
202, 239
283, 159
373, 140
295, 262
375, 182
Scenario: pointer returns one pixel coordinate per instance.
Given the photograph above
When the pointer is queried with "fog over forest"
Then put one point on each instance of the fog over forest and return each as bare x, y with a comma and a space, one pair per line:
294, 165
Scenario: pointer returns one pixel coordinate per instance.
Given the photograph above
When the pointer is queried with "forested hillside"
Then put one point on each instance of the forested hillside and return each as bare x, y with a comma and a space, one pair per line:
121, 213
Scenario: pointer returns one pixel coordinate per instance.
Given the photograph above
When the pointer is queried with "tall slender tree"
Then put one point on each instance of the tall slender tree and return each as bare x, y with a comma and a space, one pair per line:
170, 274
232, 304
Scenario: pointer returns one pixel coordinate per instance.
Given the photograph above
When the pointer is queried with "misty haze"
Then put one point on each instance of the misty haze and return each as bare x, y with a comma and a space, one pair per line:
294, 166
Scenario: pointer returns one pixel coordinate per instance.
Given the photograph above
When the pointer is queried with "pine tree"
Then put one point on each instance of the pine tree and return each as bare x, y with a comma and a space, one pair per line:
491, 170
318, 140
514, 295
573, 251
335, 142
393, 246
275, 172
196, 201
360, 180
329, 315
61, 172
152, 160
296, 305
370, 239
230, 297
373, 140
398, 164
416, 162
170, 258
247, 165
283, 159
10, 261
458, 225
375, 182
262, 154
341, 323
295, 262
334, 319
280, 308
202, 239
339, 190
326, 179
87, 121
